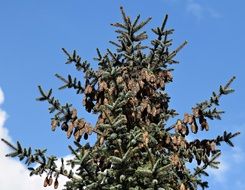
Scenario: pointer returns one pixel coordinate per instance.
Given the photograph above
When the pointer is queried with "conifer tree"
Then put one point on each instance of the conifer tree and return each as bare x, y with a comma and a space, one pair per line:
135, 147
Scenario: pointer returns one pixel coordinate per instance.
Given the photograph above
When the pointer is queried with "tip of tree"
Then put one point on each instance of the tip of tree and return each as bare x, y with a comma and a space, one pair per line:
237, 133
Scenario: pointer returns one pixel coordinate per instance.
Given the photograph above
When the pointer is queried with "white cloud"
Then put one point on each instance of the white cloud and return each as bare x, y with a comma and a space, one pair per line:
14, 175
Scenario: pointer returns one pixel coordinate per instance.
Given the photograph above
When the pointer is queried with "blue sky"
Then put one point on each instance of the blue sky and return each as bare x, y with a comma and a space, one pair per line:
33, 33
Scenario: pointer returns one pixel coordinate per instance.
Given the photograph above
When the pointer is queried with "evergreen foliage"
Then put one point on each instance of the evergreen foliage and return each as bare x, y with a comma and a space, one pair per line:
135, 149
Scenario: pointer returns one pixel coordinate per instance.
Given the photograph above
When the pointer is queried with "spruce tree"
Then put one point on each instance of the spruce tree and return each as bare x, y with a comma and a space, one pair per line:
136, 148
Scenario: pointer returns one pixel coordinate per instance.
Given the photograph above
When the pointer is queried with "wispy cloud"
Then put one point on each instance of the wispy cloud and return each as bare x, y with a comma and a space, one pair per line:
220, 174
195, 9
1, 96
232, 163
14, 174
238, 155
240, 185
200, 11
213, 13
